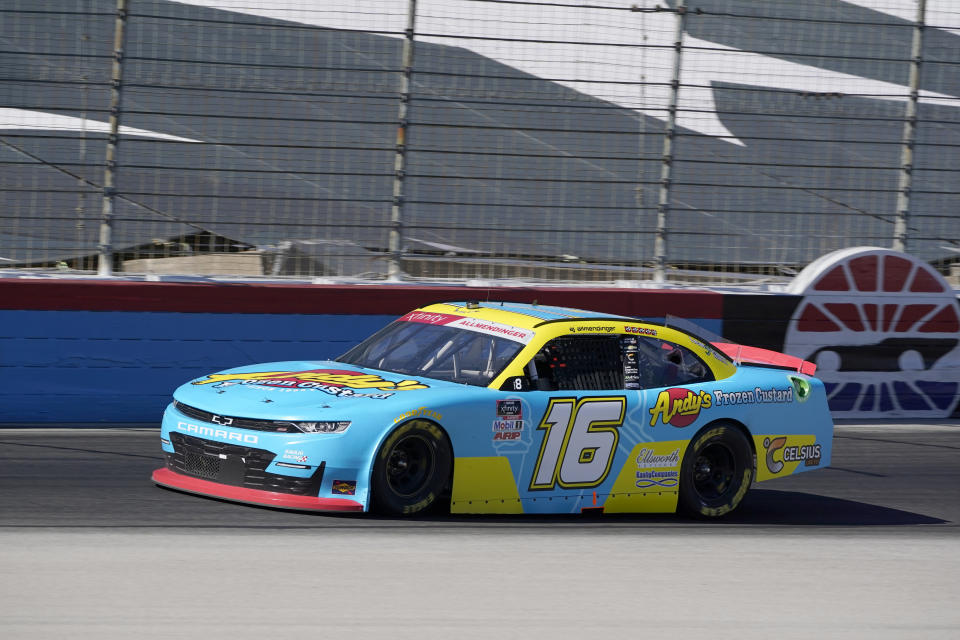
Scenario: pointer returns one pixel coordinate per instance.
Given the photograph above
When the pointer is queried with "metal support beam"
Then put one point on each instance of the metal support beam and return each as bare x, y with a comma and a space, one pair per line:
663, 205
395, 267
105, 247
901, 233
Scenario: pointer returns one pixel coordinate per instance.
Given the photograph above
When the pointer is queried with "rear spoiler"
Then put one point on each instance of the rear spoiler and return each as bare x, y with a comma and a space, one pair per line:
754, 355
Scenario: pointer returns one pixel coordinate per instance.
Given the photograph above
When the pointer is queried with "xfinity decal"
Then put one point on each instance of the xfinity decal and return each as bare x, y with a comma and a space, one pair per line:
488, 327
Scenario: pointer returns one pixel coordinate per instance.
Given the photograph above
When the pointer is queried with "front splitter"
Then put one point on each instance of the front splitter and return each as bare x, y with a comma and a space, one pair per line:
173, 480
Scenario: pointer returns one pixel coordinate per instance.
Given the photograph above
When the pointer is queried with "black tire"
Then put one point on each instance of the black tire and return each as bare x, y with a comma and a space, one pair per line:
412, 469
717, 470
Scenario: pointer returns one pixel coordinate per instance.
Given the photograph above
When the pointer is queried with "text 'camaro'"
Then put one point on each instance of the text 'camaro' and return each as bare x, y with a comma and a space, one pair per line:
502, 408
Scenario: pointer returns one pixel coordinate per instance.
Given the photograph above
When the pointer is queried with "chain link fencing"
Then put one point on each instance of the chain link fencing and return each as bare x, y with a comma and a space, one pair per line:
705, 141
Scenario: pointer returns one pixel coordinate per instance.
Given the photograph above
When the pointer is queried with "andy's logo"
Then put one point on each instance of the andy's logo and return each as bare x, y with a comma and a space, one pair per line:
679, 407
310, 379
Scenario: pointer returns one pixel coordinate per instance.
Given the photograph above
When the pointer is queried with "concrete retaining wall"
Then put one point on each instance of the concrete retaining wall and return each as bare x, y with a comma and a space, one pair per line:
105, 351
113, 351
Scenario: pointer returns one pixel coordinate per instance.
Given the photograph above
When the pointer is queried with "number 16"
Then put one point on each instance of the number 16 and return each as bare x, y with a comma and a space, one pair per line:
581, 438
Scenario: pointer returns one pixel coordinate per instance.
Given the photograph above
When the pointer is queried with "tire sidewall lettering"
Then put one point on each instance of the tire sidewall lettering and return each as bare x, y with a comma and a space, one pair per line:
744, 459
384, 497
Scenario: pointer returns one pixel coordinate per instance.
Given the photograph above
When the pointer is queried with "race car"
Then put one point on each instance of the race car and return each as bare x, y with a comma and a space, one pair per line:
481, 407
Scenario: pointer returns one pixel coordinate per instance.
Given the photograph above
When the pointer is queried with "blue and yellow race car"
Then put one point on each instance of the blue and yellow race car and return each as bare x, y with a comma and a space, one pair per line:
502, 408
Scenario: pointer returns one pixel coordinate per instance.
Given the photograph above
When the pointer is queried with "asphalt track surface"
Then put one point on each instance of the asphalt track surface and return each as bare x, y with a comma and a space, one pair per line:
90, 548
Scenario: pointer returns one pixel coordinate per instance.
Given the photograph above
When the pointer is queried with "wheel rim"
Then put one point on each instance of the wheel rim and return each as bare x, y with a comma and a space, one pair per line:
410, 465
714, 471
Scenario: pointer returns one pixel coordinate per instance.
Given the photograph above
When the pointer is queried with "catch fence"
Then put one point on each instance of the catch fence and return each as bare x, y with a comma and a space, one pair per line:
692, 141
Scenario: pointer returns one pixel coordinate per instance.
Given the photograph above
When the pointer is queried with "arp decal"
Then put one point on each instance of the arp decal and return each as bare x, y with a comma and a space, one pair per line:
510, 428
679, 407
332, 381
777, 447
640, 331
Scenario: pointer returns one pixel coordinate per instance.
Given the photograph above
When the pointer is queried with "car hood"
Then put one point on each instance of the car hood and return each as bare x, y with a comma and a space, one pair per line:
305, 390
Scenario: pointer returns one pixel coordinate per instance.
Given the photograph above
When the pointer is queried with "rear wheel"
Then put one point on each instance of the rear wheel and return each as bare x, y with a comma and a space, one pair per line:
412, 469
716, 473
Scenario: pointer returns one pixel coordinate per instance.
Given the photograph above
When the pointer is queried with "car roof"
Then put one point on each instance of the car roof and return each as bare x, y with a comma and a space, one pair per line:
521, 314
550, 322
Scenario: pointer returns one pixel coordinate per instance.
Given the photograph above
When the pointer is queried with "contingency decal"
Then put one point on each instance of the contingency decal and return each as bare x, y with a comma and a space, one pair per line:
679, 407
509, 423
779, 455
579, 442
333, 381
344, 487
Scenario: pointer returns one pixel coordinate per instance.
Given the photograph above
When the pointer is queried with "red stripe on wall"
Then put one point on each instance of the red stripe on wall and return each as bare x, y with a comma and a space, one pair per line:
380, 299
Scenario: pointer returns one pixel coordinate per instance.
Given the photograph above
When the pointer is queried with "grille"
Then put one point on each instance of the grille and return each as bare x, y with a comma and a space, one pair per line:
235, 465
233, 421
201, 465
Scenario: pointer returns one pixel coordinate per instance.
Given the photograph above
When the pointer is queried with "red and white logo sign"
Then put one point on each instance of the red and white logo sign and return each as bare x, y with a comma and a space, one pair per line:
884, 331
471, 324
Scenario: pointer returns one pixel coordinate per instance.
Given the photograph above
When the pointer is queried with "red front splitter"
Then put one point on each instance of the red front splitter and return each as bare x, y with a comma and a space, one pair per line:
173, 480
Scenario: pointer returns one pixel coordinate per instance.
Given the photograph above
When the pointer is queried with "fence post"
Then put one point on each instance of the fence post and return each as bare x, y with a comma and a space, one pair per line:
901, 232
105, 247
663, 205
395, 268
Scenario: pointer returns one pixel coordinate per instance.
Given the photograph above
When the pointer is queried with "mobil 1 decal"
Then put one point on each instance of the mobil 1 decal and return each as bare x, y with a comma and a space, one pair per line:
509, 431
883, 329
579, 440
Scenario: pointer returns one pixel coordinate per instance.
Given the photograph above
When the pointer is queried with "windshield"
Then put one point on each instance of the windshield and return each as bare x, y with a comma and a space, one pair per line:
435, 351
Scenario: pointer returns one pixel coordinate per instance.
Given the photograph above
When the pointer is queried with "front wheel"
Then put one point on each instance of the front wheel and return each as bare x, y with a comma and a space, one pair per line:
716, 473
412, 469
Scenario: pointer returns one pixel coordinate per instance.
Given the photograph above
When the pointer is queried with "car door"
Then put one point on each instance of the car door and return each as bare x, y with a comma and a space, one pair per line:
586, 430
562, 430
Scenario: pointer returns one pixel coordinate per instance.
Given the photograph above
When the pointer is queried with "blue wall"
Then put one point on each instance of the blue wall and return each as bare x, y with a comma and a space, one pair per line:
116, 366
